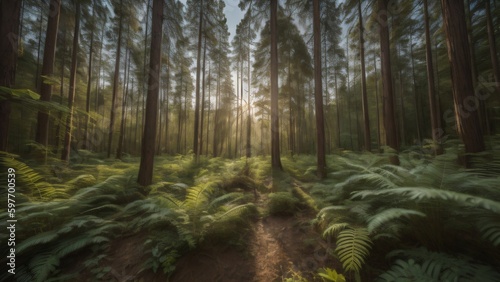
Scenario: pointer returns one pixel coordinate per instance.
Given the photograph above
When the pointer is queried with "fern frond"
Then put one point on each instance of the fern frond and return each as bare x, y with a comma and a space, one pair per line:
422, 193
226, 199
379, 219
353, 246
197, 196
407, 271
447, 267
42, 265
36, 240
68, 246
490, 231
236, 212
379, 181
331, 275
332, 229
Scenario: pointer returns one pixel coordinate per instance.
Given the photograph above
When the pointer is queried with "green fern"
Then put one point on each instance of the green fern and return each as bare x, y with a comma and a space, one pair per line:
333, 229
381, 218
441, 266
490, 231
43, 265
353, 246
407, 271
422, 193
329, 274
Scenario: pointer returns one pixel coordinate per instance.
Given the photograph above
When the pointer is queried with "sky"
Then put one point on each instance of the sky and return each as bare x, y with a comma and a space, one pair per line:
234, 15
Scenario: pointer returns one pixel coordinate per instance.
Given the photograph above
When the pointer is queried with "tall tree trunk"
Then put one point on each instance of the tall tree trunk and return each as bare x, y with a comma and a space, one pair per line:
337, 107
388, 95
61, 95
493, 46
86, 144
209, 109
49, 53
249, 116
200, 150
275, 134
376, 97
9, 26
318, 93
237, 108
37, 72
119, 150
149, 137
72, 86
430, 81
366, 117
116, 81
197, 91
467, 118
416, 96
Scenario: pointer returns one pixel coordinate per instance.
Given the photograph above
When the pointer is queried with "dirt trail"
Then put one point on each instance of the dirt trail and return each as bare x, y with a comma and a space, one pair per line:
277, 247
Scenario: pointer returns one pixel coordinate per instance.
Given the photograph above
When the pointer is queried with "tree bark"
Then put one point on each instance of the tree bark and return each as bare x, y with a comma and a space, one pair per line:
388, 95
275, 134
318, 93
149, 137
430, 81
366, 117
466, 114
116, 81
72, 87
49, 53
9, 26
86, 144
493, 46
197, 90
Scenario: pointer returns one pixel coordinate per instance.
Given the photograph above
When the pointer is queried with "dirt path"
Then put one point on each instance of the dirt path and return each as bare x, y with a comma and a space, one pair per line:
277, 247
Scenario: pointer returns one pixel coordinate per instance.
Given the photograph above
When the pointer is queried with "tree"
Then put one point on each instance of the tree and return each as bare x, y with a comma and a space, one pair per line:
275, 134
196, 129
116, 77
9, 26
72, 86
466, 116
49, 53
318, 93
430, 79
149, 137
388, 96
366, 117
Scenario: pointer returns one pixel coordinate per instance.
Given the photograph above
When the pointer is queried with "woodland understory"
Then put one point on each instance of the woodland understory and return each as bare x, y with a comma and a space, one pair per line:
428, 219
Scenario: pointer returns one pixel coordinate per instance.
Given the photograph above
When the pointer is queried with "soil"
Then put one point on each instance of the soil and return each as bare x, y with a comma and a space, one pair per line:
276, 247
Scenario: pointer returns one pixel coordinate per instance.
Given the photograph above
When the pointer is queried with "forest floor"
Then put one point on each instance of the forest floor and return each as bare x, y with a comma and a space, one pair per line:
275, 247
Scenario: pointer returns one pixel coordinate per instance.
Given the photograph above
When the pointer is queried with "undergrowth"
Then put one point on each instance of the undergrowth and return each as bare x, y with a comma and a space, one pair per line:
428, 219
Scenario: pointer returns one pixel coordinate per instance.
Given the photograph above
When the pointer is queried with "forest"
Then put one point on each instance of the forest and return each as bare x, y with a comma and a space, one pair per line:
250, 140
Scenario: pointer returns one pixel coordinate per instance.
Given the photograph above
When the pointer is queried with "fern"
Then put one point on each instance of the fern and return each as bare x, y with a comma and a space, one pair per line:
331, 275
407, 271
444, 267
490, 230
379, 219
422, 193
44, 264
36, 240
333, 229
353, 246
